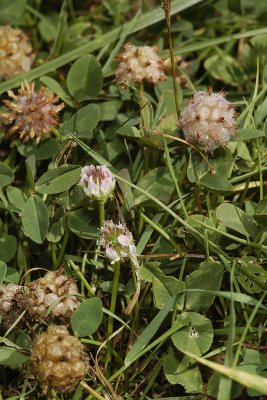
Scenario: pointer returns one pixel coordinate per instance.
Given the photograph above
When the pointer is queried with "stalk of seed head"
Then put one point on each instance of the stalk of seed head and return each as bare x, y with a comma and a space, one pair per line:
208, 120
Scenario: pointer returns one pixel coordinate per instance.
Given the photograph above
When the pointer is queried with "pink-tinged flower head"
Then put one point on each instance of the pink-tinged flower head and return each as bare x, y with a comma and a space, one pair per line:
98, 182
208, 120
118, 242
138, 64
32, 113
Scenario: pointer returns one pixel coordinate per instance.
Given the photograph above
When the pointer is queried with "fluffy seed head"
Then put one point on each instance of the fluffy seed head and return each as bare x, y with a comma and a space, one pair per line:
32, 113
137, 64
118, 242
98, 182
58, 360
12, 304
16, 53
208, 120
47, 292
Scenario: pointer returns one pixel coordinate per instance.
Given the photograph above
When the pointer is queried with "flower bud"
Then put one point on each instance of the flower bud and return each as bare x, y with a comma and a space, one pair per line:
208, 120
58, 360
98, 182
118, 242
137, 64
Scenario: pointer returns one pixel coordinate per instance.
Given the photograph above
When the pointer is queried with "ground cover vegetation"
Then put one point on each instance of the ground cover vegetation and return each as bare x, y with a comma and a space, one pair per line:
133, 206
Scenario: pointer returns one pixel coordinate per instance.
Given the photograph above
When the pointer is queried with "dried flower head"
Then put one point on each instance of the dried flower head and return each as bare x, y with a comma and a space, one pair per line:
16, 53
48, 291
58, 360
118, 242
12, 304
98, 182
208, 120
32, 113
137, 64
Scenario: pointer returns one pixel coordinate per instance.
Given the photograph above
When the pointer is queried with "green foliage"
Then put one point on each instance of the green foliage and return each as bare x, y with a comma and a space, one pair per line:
87, 317
186, 318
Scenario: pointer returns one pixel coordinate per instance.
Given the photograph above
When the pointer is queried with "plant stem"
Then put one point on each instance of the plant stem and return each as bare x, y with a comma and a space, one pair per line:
101, 209
91, 391
115, 286
167, 10
82, 278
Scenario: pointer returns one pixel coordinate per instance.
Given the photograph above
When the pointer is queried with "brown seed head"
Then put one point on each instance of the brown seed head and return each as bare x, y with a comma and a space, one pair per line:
32, 113
16, 53
12, 304
47, 292
58, 360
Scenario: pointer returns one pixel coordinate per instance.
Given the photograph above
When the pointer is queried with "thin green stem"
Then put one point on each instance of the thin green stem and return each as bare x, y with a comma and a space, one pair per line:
54, 256
63, 247
82, 278
115, 286
101, 209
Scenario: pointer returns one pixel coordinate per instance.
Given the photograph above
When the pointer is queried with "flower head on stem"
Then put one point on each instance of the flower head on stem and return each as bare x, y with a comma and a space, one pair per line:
97, 181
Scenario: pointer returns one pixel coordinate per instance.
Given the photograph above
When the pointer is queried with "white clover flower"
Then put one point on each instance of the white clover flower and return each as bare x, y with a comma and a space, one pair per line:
118, 242
137, 64
208, 120
98, 182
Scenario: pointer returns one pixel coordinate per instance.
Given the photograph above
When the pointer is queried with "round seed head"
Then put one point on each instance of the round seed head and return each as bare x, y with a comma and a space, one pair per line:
208, 120
16, 53
58, 360
137, 64
31, 113
12, 304
54, 290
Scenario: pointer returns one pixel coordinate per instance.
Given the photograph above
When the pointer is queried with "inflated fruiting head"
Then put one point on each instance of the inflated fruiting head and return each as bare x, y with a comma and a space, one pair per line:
137, 64
32, 113
58, 360
208, 120
16, 53
54, 291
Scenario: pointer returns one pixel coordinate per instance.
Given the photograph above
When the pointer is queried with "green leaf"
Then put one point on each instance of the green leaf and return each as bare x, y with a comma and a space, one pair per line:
16, 197
57, 226
83, 122
87, 317
158, 183
48, 26
35, 219
150, 331
251, 266
3, 270
225, 69
9, 10
217, 184
85, 78
251, 381
261, 213
80, 223
56, 88
208, 277
58, 179
109, 109
6, 175
248, 134
182, 372
8, 247
197, 336
164, 287
236, 219
213, 387
12, 358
